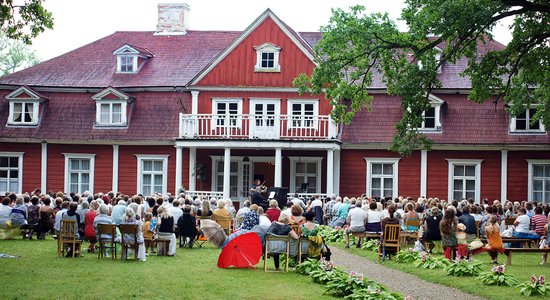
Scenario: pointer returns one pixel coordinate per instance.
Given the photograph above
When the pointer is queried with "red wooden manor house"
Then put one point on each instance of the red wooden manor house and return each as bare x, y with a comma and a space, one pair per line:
146, 112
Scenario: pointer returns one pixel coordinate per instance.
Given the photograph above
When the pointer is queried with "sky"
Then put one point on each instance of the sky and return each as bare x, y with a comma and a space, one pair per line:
80, 22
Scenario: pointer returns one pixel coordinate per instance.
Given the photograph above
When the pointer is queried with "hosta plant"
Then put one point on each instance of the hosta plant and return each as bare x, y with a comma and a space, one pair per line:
373, 294
371, 244
406, 256
498, 277
344, 284
427, 261
535, 287
308, 266
463, 267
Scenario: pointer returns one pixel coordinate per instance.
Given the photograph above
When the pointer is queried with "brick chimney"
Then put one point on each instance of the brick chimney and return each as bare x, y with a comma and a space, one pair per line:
172, 18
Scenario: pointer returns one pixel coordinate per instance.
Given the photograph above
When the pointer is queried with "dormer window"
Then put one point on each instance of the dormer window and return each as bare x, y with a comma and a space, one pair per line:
130, 59
111, 108
24, 105
431, 118
437, 56
267, 58
525, 122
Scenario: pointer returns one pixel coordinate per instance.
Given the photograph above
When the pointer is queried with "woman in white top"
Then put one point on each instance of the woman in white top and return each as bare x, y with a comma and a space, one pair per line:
522, 226
373, 218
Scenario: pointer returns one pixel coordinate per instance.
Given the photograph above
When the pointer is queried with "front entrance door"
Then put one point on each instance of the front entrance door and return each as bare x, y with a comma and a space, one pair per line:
264, 123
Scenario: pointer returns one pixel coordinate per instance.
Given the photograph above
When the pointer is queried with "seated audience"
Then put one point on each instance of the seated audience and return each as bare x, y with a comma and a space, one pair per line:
187, 228
356, 220
165, 229
494, 241
273, 212
130, 218
281, 227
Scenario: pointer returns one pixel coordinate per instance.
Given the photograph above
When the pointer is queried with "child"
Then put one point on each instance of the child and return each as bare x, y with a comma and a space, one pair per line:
148, 229
462, 242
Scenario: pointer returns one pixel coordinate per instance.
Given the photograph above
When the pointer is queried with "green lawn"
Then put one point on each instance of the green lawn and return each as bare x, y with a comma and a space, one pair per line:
191, 274
523, 266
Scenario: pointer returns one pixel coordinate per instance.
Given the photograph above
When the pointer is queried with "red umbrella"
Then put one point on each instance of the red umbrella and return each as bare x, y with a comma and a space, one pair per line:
243, 251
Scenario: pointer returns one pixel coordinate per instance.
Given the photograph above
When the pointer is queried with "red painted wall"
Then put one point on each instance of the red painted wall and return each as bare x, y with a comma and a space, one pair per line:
518, 172
31, 162
237, 68
103, 169
127, 180
353, 172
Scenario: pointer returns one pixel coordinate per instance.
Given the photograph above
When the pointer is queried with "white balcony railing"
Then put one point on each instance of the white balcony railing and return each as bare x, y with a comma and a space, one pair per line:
286, 127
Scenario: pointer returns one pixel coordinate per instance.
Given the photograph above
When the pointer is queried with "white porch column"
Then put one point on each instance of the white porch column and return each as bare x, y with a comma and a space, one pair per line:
192, 163
179, 170
44, 168
115, 168
336, 187
278, 168
503, 175
194, 102
330, 172
226, 173
423, 173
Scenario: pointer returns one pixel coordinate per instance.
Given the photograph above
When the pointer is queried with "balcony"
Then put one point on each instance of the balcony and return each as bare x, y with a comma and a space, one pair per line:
263, 127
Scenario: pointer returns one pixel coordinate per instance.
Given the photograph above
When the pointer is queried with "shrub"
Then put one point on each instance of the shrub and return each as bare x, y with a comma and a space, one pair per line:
406, 256
535, 287
498, 277
463, 267
371, 244
427, 261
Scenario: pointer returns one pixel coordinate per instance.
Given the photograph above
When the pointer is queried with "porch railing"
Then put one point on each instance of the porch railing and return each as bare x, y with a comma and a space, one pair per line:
287, 127
205, 194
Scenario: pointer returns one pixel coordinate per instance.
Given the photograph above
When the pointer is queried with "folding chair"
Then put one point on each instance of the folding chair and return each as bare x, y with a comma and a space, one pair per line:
68, 237
390, 240
129, 233
225, 223
106, 239
277, 244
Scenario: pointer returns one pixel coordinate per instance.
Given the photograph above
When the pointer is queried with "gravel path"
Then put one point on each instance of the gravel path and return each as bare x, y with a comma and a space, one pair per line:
401, 282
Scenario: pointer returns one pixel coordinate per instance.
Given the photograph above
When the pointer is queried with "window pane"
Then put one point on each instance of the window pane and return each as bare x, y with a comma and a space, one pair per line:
546, 185
14, 173
3, 174
470, 170
308, 109
376, 169
3, 185
147, 190
430, 113
458, 185
14, 162
158, 180
535, 125
470, 185
28, 115
457, 195
300, 167
469, 194
296, 109
312, 181
375, 192
157, 165
117, 113
4, 162
388, 169
537, 185
74, 164
17, 112
219, 183
376, 183
85, 164
312, 168
388, 193
147, 165
234, 167
74, 188
104, 114
538, 170
537, 196
546, 170
459, 171
388, 183
73, 179
147, 179
429, 123
220, 166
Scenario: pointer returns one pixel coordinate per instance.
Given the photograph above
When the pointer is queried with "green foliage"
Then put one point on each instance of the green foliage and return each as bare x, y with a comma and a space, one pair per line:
307, 266
427, 261
464, 268
356, 45
24, 20
15, 55
331, 235
371, 244
370, 294
498, 277
535, 287
406, 256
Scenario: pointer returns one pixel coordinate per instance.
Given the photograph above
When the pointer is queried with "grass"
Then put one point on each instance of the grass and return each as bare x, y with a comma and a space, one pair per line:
191, 274
523, 266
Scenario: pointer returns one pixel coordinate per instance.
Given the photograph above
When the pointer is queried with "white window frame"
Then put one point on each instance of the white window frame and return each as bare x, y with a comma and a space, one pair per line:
302, 102
530, 178
161, 157
267, 48
436, 103
383, 160
35, 104
227, 101
513, 120
275, 117
294, 160
19, 156
216, 173
437, 56
134, 58
450, 180
123, 112
68, 157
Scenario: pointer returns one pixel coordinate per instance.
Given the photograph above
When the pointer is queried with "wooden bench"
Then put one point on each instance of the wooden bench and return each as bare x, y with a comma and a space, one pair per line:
365, 235
508, 252
527, 243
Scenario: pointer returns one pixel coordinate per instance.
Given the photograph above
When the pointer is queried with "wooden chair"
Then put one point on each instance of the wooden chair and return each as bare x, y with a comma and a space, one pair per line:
225, 223
106, 243
68, 237
410, 234
296, 228
129, 234
390, 240
272, 246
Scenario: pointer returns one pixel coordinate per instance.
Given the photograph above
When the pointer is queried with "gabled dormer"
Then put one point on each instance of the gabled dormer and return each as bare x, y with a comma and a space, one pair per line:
112, 108
130, 59
24, 107
431, 117
267, 58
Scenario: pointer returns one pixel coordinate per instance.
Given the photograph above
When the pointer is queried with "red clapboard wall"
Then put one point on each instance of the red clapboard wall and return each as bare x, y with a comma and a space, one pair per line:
31, 162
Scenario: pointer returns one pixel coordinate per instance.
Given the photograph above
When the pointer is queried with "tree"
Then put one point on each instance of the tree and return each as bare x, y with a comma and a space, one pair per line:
24, 19
15, 55
355, 45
